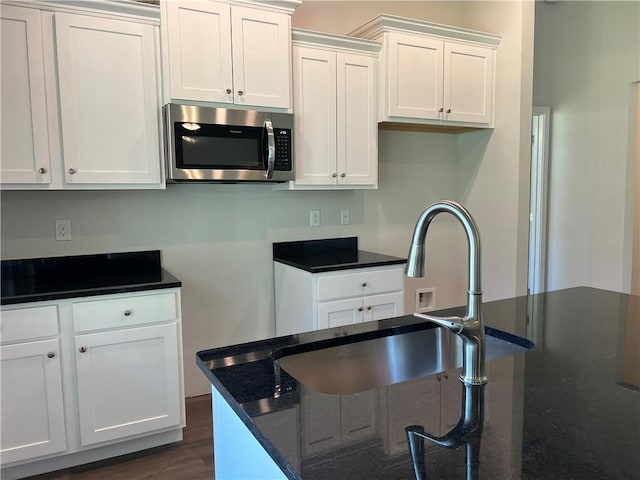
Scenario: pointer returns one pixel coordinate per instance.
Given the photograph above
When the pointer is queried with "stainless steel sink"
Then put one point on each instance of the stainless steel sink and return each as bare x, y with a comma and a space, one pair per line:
354, 367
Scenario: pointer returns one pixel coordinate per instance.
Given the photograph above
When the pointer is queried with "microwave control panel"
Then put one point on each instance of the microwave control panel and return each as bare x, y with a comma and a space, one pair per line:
283, 161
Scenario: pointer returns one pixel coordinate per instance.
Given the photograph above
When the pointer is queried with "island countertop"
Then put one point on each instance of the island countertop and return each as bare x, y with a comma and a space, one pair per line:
567, 409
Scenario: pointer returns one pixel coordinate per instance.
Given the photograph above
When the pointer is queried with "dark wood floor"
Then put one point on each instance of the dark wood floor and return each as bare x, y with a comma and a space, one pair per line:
191, 459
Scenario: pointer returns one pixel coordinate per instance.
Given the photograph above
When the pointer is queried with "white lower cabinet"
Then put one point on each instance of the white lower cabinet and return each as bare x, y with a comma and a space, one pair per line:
312, 301
89, 378
136, 364
32, 404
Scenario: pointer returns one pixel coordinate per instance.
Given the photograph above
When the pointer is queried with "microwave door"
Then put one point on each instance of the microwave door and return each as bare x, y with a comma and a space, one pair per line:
269, 142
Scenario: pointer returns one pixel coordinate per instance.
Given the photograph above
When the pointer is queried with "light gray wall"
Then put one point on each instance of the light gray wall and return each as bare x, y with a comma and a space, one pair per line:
586, 56
217, 238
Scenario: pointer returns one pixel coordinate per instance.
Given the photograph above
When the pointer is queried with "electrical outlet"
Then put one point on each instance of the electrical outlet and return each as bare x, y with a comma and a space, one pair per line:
344, 217
314, 218
63, 229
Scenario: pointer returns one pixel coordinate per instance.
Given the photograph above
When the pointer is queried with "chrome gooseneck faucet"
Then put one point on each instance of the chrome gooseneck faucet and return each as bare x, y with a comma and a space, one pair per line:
470, 327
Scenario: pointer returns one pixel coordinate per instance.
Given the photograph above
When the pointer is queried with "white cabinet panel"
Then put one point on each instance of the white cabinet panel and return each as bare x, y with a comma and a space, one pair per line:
415, 76
468, 80
128, 382
25, 148
379, 307
29, 323
32, 411
339, 313
361, 282
200, 51
320, 417
108, 100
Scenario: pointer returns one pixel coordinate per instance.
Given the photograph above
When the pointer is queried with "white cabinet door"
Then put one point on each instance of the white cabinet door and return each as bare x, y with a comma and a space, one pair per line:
379, 307
340, 313
261, 57
468, 83
357, 129
24, 157
199, 50
128, 382
414, 76
32, 411
314, 73
109, 101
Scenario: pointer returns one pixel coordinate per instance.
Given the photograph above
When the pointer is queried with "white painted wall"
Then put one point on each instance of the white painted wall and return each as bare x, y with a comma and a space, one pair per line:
586, 56
217, 238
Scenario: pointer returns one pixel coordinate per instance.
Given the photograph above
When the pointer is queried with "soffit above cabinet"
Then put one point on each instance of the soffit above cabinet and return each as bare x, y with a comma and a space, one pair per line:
335, 42
389, 23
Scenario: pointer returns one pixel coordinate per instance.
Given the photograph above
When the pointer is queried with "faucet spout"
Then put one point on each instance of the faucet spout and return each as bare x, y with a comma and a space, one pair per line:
470, 327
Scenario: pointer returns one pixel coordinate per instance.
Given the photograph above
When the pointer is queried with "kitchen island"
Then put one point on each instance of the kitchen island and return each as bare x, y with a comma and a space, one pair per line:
568, 408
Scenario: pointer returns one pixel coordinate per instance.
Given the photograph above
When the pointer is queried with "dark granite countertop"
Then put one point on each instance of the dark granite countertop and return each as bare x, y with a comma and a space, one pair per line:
568, 409
329, 255
52, 278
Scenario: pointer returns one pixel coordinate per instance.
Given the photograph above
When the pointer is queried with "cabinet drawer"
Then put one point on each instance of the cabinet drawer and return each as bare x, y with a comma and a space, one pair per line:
28, 323
359, 283
124, 312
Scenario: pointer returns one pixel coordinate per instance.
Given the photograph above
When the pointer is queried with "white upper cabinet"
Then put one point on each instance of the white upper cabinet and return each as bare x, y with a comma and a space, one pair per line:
108, 100
80, 97
228, 54
334, 87
25, 147
433, 74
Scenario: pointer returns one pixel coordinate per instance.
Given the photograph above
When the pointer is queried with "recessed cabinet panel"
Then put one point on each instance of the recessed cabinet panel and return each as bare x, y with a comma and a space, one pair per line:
415, 76
127, 382
32, 411
98, 100
356, 124
200, 45
261, 58
315, 117
469, 83
25, 149
339, 313
379, 307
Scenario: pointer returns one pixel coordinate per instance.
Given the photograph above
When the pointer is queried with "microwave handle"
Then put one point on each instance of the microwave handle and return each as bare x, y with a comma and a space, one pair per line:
271, 149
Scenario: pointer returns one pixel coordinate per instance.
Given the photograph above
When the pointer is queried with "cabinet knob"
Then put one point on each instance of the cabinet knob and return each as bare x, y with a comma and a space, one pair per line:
334, 175
240, 93
441, 110
448, 110
364, 284
42, 170
82, 349
369, 307
343, 175
72, 171
360, 309
127, 313
51, 354
228, 91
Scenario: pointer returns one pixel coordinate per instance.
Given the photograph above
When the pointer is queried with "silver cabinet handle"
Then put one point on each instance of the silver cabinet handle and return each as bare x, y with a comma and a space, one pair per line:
82, 349
240, 93
42, 170
334, 175
72, 171
127, 313
364, 284
228, 91
51, 354
343, 175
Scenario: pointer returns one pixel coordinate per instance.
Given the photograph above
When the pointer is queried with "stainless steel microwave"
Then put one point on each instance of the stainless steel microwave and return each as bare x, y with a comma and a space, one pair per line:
205, 144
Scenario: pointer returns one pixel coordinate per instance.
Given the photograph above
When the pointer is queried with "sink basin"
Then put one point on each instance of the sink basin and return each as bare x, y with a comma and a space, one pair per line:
361, 365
